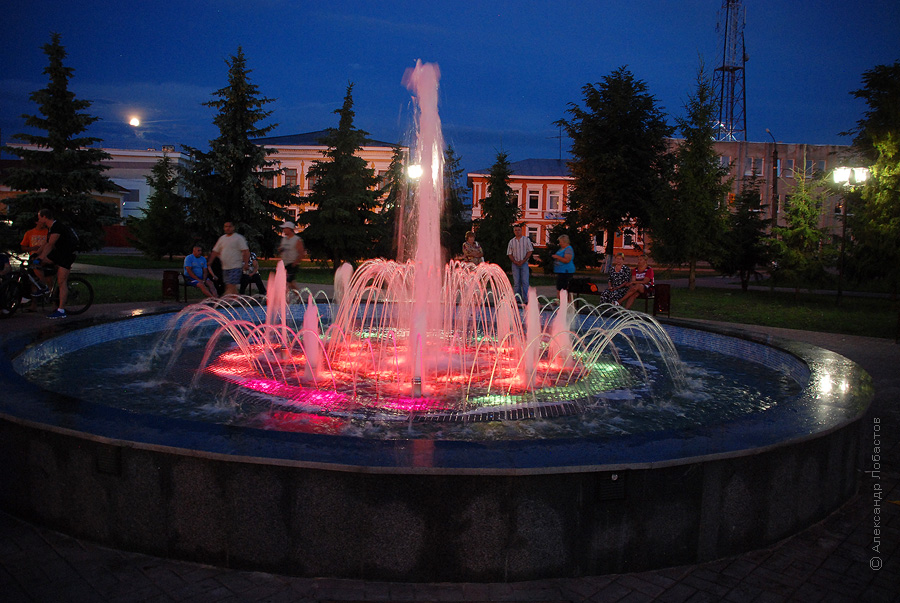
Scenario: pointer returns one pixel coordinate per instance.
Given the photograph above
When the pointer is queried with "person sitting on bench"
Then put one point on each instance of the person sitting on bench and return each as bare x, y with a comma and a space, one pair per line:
196, 272
619, 280
641, 282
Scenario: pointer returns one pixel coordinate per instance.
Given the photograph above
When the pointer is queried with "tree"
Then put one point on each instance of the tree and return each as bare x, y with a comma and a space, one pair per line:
162, 230
499, 212
619, 166
875, 215
799, 248
393, 191
743, 247
453, 222
226, 183
344, 195
62, 170
688, 225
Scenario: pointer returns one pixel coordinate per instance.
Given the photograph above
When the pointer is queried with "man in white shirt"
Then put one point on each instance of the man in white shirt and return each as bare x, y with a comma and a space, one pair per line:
234, 253
291, 251
519, 251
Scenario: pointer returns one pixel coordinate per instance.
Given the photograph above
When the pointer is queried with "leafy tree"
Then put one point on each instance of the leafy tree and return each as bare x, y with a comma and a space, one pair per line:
875, 215
799, 248
162, 230
344, 195
499, 212
226, 183
63, 170
620, 165
688, 225
743, 247
453, 222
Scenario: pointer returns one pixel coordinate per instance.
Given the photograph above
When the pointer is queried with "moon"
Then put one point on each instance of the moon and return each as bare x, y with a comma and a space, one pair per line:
135, 122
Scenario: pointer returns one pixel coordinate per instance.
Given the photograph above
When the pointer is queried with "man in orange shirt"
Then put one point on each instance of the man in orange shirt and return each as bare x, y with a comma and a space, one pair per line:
31, 244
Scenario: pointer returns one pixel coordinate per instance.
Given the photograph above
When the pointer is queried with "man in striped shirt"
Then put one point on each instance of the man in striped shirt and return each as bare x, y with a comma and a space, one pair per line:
519, 251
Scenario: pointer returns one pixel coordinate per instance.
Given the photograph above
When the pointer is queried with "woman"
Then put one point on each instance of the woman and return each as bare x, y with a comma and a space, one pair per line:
619, 279
471, 250
641, 282
563, 264
251, 276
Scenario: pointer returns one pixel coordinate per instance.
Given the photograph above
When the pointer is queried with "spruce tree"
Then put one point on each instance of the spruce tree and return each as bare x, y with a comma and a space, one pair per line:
619, 154
162, 230
454, 224
61, 170
226, 183
344, 195
498, 214
689, 225
393, 192
743, 248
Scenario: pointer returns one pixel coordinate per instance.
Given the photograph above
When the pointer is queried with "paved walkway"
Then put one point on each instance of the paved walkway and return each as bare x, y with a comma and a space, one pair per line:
831, 561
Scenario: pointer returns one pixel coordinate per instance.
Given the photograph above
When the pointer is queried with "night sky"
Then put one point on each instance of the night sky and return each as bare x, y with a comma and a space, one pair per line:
509, 69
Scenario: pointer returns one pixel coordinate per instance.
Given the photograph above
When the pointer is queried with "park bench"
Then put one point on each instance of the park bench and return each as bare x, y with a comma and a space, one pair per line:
660, 295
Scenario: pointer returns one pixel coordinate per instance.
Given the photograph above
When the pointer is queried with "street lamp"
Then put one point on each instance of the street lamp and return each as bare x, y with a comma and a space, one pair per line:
848, 178
774, 182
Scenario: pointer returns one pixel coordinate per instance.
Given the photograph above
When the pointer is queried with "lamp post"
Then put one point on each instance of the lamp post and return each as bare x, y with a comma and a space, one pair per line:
848, 179
774, 182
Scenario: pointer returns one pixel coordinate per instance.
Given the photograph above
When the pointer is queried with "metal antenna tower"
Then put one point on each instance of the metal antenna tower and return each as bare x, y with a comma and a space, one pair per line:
728, 78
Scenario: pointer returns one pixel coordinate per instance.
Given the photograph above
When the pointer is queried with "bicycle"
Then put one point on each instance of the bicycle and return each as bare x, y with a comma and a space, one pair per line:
22, 282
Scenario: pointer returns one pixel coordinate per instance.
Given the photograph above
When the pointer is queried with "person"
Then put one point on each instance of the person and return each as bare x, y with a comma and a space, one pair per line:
291, 251
641, 281
563, 264
251, 276
471, 250
234, 253
619, 279
196, 271
31, 244
519, 251
59, 250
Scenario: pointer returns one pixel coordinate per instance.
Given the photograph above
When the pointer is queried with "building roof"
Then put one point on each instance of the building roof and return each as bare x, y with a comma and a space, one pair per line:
309, 139
556, 168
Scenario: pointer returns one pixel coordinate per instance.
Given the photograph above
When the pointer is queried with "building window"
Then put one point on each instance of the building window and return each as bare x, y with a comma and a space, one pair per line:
789, 168
310, 179
533, 234
268, 180
725, 161
820, 166
753, 165
553, 200
534, 199
290, 177
778, 169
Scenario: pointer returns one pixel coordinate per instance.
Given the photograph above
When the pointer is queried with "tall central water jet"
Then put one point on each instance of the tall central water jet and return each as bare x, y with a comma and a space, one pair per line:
422, 81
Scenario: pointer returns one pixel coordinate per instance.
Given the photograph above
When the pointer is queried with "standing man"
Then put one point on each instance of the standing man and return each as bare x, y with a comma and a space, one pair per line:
291, 251
519, 251
59, 250
234, 253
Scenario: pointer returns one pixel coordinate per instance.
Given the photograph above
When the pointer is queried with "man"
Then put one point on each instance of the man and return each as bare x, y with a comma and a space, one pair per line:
519, 251
196, 271
59, 250
234, 253
291, 251
31, 244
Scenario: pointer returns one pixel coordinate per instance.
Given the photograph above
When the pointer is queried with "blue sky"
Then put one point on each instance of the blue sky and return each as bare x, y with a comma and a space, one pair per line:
509, 69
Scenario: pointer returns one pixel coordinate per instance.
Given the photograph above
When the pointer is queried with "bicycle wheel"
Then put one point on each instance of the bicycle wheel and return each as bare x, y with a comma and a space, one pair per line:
10, 297
81, 295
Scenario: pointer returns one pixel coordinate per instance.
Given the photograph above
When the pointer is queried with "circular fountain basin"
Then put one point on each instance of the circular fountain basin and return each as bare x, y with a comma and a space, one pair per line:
425, 509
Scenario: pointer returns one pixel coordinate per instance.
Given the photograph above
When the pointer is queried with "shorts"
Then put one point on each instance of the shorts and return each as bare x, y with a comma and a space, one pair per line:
62, 259
291, 272
232, 276
192, 281
562, 280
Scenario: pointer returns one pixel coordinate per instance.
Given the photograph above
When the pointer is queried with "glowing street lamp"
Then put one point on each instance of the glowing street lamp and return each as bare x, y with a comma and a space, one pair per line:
414, 171
847, 178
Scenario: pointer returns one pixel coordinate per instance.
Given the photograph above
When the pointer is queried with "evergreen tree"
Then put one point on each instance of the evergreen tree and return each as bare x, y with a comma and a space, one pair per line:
620, 166
226, 184
454, 224
874, 216
393, 192
63, 170
689, 225
743, 246
344, 195
498, 214
799, 248
162, 230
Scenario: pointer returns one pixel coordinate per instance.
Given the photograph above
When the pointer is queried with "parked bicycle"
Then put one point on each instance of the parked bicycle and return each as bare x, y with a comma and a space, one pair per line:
22, 283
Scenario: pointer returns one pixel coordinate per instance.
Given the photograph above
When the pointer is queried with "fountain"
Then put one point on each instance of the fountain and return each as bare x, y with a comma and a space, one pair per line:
425, 428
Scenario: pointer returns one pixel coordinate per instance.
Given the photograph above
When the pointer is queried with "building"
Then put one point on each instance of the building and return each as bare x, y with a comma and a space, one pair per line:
296, 154
130, 168
541, 186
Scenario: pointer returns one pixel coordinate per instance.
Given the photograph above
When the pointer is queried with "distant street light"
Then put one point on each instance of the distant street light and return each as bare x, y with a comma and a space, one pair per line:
848, 179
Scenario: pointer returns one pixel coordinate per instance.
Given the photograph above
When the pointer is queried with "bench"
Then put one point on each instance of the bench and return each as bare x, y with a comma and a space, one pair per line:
661, 295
